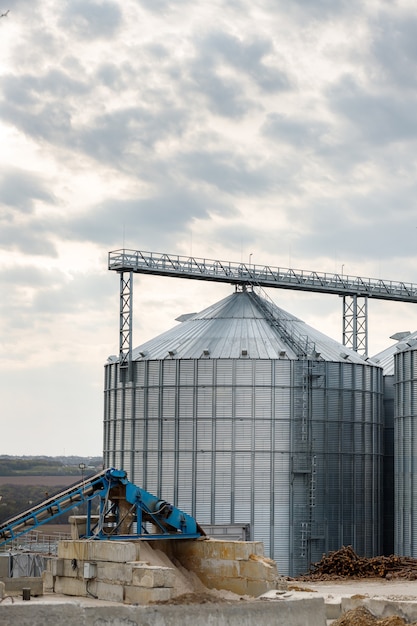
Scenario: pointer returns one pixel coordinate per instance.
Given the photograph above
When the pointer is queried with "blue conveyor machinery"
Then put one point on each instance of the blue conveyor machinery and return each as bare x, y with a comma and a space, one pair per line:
125, 512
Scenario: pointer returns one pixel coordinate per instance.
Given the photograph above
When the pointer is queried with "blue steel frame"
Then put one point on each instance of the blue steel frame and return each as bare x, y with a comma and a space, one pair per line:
170, 521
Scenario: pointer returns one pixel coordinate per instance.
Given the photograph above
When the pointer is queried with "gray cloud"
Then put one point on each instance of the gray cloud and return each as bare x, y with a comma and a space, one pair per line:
247, 57
20, 189
90, 19
159, 218
299, 132
224, 96
394, 48
379, 118
234, 174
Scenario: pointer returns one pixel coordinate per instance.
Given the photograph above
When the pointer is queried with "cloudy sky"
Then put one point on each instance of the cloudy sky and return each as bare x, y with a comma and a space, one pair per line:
281, 131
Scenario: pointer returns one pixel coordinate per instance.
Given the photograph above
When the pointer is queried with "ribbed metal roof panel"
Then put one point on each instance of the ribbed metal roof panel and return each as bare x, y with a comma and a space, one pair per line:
385, 358
236, 327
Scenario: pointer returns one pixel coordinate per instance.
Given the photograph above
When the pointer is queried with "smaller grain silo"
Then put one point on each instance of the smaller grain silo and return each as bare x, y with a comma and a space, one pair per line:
405, 446
244, 414
385, 360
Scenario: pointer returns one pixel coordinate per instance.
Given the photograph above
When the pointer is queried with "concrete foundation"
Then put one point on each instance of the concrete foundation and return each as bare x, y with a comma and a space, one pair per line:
291, 613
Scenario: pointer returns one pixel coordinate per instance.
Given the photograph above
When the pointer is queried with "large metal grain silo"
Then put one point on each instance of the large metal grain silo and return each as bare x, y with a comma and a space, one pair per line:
405, 446
243, 414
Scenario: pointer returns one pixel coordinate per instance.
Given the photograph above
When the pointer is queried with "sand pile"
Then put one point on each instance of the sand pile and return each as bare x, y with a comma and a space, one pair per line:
188, 588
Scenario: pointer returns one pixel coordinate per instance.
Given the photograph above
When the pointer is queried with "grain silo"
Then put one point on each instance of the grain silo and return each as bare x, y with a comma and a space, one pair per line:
385, 360
243, 414
405, 446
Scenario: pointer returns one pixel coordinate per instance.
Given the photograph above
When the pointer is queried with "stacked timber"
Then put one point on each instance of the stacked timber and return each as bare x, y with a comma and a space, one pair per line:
345, 563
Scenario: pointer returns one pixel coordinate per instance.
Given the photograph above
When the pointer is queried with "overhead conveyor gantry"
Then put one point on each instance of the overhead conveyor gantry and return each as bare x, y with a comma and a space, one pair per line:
355, 290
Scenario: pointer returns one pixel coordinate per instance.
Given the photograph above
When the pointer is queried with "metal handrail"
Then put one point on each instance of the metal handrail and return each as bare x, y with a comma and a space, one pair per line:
268, 276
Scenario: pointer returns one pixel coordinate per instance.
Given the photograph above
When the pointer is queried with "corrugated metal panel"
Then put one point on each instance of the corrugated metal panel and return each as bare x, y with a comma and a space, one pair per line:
169, 372
205, 403
223, 488
204, 434
186, 435
224, 372
204, 490
187, 372
243, 434
153, 372
263, 372
224, 435
185, 481
224, 402
205, 372
244, 372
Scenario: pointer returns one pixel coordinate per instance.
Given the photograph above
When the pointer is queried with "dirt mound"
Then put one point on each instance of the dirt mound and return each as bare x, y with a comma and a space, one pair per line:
362, 617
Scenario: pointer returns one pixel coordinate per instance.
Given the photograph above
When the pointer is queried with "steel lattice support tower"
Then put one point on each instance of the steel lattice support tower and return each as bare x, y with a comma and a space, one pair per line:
126, 318
355, 323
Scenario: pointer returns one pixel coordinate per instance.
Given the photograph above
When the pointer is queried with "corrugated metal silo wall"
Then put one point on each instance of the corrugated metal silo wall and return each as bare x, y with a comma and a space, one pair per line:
405, 452
291, 447
388, 469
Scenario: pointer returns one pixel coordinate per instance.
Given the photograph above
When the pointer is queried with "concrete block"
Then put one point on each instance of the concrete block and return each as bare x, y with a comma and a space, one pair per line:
2, 590
143, 595
73, 550
244, 549
236, 585
256, 588
14, 586
48, 581
219, 567
153, 576
71, 586
217, 549
382, 607
333, 608
4, 565
115, 572
106, 591
56, 567
113, 551
258, 568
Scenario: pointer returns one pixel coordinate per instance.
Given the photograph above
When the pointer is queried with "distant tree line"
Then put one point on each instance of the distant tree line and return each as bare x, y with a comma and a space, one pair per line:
18, 498
15, 499
48, 466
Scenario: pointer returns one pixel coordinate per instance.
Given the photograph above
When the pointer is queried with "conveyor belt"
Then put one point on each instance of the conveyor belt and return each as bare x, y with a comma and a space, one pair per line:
125, 504
52, 507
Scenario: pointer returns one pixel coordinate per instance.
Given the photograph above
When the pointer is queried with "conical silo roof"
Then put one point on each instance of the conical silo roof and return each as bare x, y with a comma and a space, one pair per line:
242, 324
385, 358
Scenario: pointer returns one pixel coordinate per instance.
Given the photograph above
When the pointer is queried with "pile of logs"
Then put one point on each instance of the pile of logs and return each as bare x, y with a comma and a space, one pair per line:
345, 563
